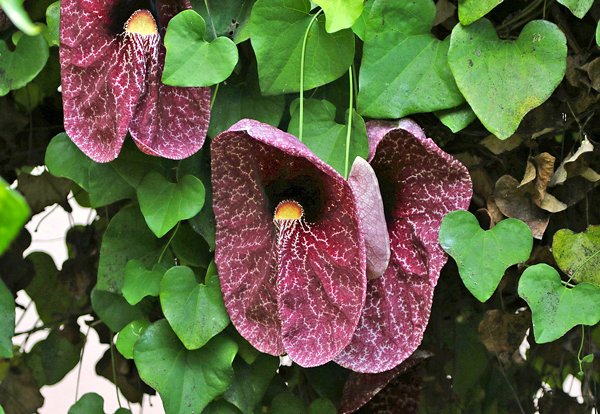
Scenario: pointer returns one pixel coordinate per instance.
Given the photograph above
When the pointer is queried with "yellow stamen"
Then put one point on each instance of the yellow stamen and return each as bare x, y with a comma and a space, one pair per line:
141, 22
288, 210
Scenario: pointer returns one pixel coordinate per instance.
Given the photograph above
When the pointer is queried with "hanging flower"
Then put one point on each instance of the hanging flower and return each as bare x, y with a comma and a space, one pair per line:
419, 185
112, 58
290, 249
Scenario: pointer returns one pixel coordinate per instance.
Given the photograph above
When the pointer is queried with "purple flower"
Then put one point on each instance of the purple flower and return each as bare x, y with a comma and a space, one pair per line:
419, 185
112, 58
290, 249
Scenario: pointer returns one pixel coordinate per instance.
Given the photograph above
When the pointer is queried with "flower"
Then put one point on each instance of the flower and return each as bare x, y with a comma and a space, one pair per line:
419, 185
112, 57
289, 246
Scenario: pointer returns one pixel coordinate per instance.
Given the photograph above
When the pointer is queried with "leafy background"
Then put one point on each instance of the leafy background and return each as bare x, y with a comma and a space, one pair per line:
509, 88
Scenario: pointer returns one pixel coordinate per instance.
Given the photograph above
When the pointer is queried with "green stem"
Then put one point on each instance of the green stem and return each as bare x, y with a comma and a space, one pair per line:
303, 53
349, 133
214, 97
212, 26
168, 243
114, 368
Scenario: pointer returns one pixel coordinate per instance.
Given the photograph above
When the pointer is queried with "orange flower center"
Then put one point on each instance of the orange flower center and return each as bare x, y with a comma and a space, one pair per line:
141, 22
288, 210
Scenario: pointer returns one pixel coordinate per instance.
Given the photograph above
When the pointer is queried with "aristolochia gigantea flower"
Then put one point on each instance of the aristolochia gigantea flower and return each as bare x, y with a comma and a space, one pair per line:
289, 246
419, 185
112, 58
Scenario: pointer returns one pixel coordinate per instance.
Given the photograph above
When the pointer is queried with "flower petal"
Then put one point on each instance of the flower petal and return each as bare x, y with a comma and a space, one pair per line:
111, 83
419, 184
309, 301
364, 183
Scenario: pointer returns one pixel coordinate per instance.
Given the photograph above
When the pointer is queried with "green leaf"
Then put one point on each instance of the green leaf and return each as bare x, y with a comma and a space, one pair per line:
229, 18
404, 68
598, 34
90, 403
129, 335
457, 118
17, 14
220, 407
578, 7
14, 212
51, 297
503, 80
187, 51
578, 255
472, 10
555, 308
277, 30
19, 67
114, 310
186, 380
328, 380
325, 137
53, 20
164, 204
251, 382
322, 406
196, 312
239, 100
61, 351
126, 238
483, 256
140, 282
7, 321
190, 248
101, 181
340, 14
287, 403
43, 190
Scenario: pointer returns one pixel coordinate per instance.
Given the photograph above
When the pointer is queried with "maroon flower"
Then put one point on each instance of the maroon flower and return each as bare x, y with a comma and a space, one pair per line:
112, 57
290, 249
419, 185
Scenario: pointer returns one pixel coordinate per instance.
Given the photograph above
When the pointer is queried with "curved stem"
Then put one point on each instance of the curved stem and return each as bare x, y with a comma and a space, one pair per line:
212, 26
350, 113
302, 54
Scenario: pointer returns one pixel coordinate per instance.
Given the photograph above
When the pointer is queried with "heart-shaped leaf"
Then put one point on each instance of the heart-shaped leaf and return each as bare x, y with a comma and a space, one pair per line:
578, 7
340, 14
503, 80
140, 282
90, 403
186, 380
471, 10
328, 55
101, 181
190, 60
251, 382
326, 138
457, 118
196, 312
578, 255
7, 321
19, 67
129, 335
164, 204
14, 212
555, 308
126, 238
114, 310
404, 69
483, 256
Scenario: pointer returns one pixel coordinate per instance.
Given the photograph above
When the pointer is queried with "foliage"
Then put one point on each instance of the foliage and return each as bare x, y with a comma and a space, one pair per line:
510, 89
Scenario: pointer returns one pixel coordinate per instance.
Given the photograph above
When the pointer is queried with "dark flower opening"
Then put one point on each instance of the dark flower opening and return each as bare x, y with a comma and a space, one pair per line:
122, 12
306, 190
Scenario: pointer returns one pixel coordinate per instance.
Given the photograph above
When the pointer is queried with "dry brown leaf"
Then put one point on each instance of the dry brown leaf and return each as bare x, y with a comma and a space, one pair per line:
444, 10
518, 203
574, 165
503, 333
498, 146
